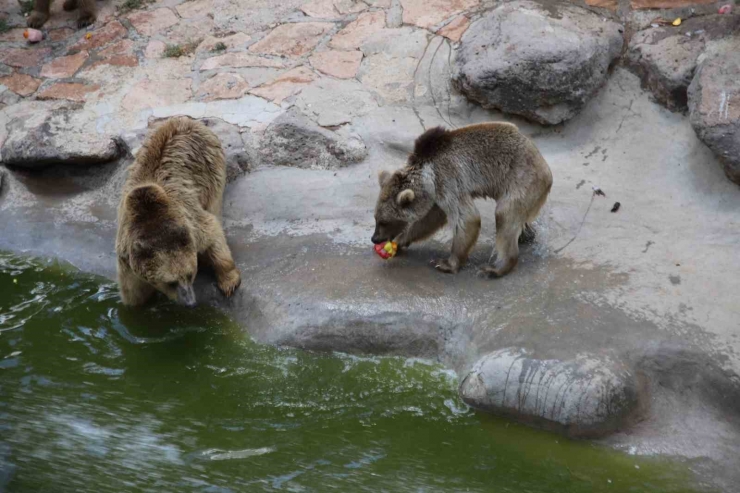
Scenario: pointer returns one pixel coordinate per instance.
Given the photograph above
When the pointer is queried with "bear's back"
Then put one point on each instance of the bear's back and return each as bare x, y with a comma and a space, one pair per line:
186, 159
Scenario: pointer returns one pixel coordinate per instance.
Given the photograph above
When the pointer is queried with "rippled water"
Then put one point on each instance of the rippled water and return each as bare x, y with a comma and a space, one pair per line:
95, 397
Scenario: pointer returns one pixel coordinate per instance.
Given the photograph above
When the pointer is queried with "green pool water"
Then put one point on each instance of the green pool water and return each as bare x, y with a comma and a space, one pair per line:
95, 397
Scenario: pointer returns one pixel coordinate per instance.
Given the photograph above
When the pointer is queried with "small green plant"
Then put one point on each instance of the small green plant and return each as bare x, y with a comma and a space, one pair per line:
219, 47
173, 51
4, 27
26, 6
130, 5
176, 51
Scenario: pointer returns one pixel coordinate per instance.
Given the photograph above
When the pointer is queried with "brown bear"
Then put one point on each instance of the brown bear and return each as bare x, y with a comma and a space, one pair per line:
40, 13
446, 172
170, 214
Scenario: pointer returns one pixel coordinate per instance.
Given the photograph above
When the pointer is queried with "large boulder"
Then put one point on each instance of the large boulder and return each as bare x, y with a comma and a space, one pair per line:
714, 103
239, 149
541, 62
40, 139
665, 57
294, 140
587, 396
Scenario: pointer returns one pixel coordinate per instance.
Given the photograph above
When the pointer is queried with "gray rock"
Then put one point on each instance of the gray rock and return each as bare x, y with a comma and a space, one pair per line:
240, 158
56, 138
643, 16
541, 62
665, 64
294, 140
665, 57
586, 396
714, 103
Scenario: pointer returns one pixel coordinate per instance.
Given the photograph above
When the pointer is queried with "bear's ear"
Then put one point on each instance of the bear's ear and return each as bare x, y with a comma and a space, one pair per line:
150, 199
383, 177
405, 198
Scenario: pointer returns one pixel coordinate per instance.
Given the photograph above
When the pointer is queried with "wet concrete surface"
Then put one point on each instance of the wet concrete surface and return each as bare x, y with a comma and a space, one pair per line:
653, 286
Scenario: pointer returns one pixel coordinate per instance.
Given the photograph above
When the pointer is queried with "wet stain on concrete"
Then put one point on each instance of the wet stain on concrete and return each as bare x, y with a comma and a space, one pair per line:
596, 149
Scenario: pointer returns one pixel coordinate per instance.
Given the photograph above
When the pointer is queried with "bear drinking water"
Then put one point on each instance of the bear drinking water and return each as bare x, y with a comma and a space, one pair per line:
170, 214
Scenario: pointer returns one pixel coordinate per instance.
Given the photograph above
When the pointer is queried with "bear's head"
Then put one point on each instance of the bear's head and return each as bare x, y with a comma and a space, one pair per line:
163, 252
403, 199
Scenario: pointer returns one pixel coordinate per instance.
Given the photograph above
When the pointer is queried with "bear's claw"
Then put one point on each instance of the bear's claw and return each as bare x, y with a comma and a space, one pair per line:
489, 272
85, 20
444, 266
37, 19
230, 283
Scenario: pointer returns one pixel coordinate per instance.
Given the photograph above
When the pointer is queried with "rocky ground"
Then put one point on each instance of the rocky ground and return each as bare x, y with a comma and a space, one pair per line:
622, 326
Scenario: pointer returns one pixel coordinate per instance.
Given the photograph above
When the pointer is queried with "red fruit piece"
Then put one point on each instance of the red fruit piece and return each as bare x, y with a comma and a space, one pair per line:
379, 250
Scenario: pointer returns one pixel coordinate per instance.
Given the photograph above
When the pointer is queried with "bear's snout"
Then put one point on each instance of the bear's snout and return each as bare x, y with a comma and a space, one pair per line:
186, 296
377, 238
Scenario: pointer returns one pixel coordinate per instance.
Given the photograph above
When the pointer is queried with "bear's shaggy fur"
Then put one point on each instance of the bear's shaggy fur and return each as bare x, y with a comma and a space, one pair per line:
170, 214
40, 13
446, 172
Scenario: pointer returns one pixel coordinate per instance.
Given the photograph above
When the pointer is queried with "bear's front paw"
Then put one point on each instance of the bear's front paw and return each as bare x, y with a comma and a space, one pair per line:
85, 20
489, 272
445, 266
37, 19
229, 282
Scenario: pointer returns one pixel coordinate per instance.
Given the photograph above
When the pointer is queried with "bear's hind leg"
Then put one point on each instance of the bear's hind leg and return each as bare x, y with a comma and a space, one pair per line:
40, 14
87, 14
510, 220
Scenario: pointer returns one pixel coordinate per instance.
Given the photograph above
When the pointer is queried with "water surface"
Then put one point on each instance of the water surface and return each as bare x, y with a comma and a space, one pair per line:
95, 397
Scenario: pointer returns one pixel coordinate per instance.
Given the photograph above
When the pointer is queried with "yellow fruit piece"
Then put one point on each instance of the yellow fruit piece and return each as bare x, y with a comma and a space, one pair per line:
677, 22
88, 35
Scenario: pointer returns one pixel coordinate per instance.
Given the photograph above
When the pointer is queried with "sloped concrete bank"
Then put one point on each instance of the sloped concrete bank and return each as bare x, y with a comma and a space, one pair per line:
616, 325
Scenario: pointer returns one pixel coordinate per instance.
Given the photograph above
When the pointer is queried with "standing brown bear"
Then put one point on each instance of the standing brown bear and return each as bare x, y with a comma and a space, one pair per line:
40, 13
170, 213
446, 172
